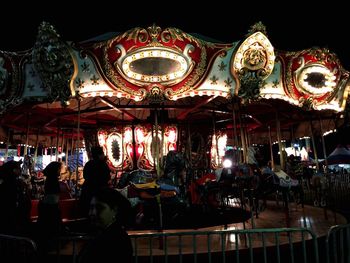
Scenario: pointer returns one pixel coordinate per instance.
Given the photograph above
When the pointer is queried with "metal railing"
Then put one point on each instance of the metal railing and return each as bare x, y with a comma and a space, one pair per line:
17, 249
338, 244
250, 245
287, 245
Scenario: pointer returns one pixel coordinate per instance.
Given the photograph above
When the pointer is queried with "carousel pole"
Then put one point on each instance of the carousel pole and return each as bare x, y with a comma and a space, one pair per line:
62, 142
246, 135
7, 144
234, 125
51, 140
162, 142
133, 145
67, 148
188, 151
72, 148
244, 160
36, 147
77, 150
27, 138
123, 147
323, 143
314, 146
57, 139
271, 152
234, 130
156, 157
216, 142
279, 139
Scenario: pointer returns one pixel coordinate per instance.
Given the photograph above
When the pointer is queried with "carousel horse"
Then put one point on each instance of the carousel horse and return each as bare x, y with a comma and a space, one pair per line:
319, 187
156, 199
174, 168
271, 183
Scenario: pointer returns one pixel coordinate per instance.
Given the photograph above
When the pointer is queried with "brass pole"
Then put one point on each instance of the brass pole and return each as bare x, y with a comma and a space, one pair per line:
216, 142
123, 146
156, 161
36, 147
57, 139
323, 144
242, 138
279, 139
7, 144
27, 138
314, 146
235, 136
51, 139
67, 148
77, 149
271, 151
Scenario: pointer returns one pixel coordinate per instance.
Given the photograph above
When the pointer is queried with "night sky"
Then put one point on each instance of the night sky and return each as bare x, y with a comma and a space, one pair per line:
291, 27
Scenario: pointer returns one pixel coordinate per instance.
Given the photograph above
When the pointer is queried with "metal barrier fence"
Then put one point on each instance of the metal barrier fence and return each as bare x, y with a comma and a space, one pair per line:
287, 245
329, 190
17, 249
338, 244
253, 245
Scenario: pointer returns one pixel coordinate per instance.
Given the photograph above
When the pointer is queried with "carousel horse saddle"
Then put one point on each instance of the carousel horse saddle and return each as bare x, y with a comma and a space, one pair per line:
150, 190
288, 182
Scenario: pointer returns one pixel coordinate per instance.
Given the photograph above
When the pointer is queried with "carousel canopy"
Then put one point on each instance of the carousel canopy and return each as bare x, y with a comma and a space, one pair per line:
126, 77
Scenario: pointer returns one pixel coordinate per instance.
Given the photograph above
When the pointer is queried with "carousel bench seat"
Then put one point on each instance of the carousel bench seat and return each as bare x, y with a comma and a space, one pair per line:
69, 210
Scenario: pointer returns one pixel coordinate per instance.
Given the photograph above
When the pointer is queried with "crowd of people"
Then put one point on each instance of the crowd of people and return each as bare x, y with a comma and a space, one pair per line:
106, 210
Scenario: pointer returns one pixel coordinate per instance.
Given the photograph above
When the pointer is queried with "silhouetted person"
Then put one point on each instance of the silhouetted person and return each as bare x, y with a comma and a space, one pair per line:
15, 202
96, 174
109, 212
49, 224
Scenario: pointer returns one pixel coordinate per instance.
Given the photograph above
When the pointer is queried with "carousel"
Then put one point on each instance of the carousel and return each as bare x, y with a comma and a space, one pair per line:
153, 96
148, 91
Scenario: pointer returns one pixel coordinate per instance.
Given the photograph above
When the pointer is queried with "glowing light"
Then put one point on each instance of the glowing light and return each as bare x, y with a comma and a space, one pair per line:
140, 149
127, 135
172, 136
329, 132
109, 142
327, 85
227, 163
139, 135
129, 150
163, 55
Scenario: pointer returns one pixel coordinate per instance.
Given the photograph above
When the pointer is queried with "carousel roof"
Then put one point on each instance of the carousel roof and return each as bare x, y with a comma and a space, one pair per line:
125, 77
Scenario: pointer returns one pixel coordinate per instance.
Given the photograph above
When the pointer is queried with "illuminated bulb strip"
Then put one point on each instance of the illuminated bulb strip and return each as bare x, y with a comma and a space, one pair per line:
329, 83
329, 132
110, 139
154, 53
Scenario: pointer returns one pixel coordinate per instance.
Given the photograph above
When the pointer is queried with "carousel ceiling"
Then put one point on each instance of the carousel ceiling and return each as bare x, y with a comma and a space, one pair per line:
130, 76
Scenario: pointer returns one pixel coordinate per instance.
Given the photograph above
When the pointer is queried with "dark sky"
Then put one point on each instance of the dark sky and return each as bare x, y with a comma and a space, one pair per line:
293, 27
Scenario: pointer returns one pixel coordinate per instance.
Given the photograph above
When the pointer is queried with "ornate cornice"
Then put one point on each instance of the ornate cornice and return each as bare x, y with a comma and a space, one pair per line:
9, 81
54, 62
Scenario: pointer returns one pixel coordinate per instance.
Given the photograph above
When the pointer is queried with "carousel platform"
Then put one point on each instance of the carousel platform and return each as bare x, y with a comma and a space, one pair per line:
313, 219
316, 219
